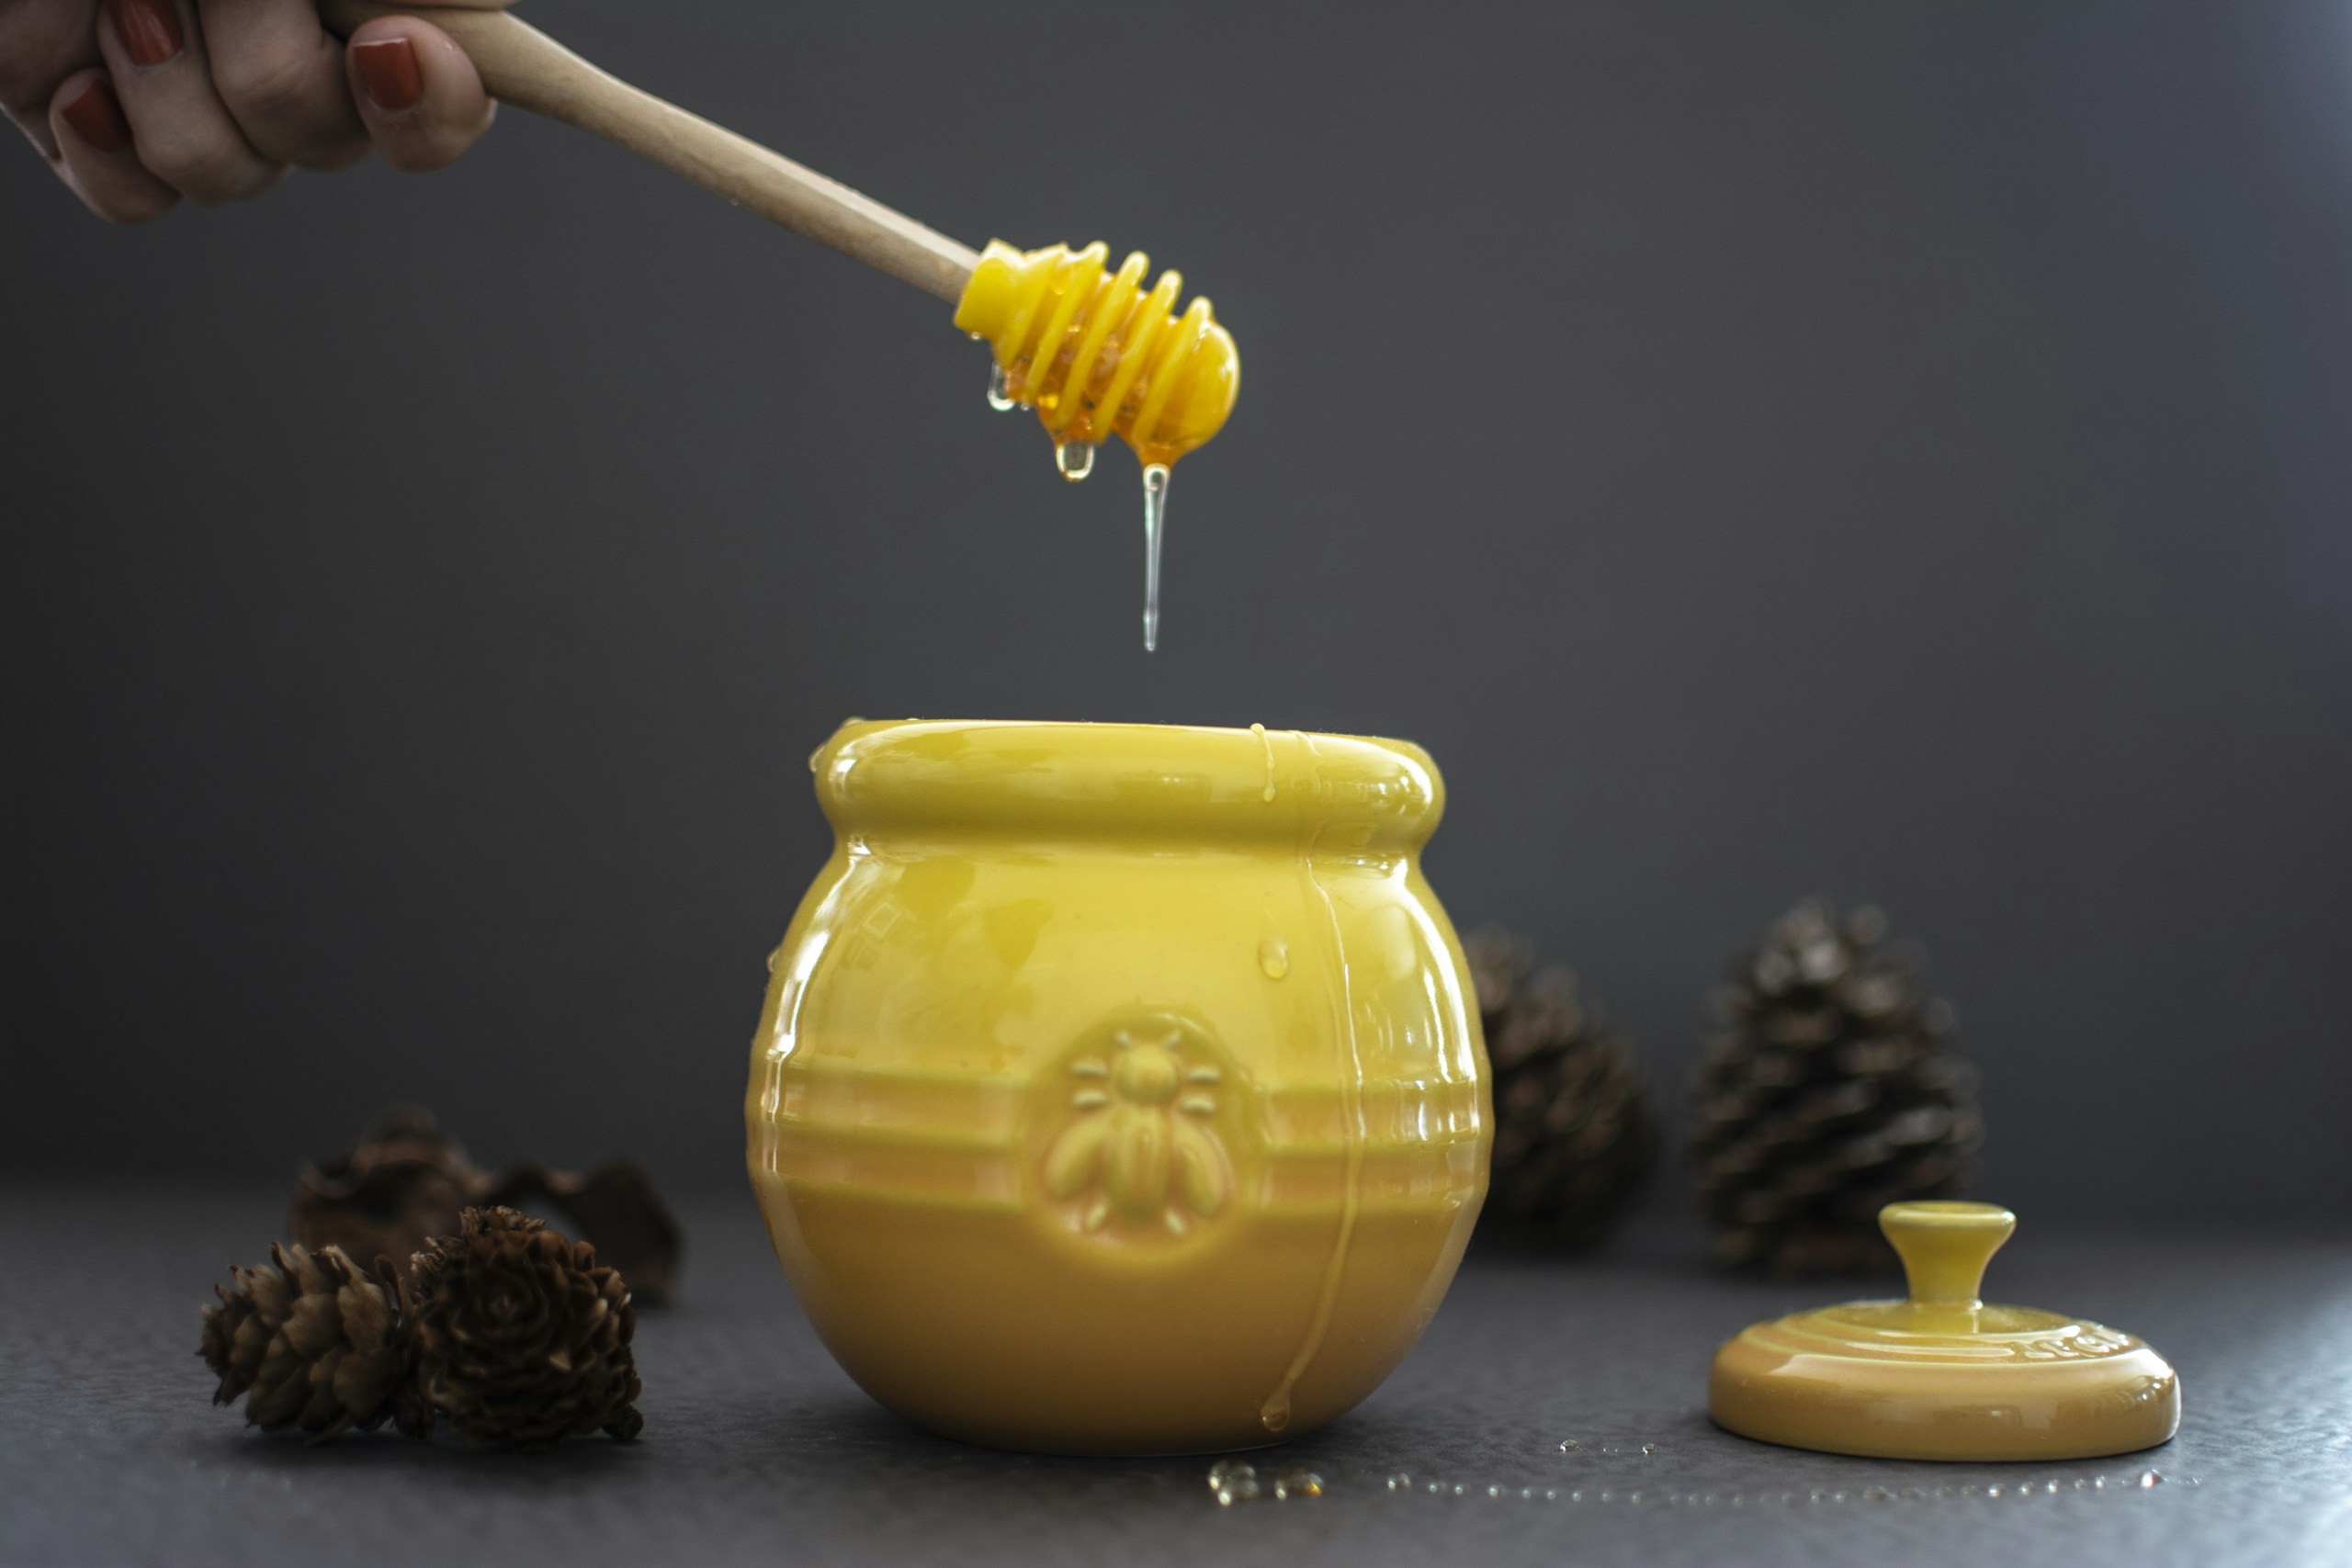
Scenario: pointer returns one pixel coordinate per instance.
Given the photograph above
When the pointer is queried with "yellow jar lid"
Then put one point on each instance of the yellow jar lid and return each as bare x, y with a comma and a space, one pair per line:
1942, 1375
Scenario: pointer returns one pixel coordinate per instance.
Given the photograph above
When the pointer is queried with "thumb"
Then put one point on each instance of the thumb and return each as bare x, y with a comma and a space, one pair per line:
420, 97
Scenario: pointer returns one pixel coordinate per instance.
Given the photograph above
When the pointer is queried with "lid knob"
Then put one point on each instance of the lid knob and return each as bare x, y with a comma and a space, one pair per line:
1945, 1246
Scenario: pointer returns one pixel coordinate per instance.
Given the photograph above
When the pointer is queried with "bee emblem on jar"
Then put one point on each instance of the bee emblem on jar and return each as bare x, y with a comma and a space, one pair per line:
1141, 1152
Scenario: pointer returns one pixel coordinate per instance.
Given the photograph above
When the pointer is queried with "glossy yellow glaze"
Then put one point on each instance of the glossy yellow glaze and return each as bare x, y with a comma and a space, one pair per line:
1093, 352
1942, 1375
1119, 1088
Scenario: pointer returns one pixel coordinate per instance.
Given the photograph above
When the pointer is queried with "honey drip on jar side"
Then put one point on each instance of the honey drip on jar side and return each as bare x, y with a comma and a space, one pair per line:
1275, 1414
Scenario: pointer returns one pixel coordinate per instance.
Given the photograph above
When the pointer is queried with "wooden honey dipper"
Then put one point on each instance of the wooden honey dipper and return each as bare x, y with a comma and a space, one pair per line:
1090, 349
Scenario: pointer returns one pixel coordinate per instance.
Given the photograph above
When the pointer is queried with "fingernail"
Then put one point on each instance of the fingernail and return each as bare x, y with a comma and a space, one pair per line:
388, 73
149, 29
97, 119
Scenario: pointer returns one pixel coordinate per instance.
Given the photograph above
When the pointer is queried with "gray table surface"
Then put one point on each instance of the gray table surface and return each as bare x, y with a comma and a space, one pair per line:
757, 1448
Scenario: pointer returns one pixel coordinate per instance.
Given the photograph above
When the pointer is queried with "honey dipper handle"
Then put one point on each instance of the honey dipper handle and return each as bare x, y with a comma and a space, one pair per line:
523, 66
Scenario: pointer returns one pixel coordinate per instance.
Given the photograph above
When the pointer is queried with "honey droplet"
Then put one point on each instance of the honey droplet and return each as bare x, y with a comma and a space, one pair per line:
1001, 396
1074, 458
1268, 742
1274, 957
1233, 1480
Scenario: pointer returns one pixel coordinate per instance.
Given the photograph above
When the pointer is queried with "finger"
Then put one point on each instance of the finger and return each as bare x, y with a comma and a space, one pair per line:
421, 97
281, 76
183, 134
95, 154
41, 45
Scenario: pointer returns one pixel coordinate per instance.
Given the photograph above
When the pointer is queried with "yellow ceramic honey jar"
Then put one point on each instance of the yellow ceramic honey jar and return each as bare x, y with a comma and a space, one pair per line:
1119, 1086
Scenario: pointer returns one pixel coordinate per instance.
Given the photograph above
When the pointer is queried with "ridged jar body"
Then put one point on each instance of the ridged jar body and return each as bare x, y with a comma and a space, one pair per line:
1119, 1088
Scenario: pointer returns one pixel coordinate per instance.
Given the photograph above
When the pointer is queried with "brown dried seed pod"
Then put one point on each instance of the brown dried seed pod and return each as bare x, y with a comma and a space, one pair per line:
407, 1180
403, 1183
1826, 1094
312, 1342
1572, 1132
521, 1337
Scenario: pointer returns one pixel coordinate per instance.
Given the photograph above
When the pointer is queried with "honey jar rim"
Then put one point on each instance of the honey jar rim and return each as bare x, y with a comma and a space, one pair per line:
1330, 793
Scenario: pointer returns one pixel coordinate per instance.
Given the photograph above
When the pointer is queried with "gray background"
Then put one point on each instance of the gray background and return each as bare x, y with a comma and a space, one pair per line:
1897, 450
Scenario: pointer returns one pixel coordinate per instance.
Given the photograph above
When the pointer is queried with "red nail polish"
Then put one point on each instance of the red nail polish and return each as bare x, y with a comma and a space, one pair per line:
149, 29
97, 119
389, 73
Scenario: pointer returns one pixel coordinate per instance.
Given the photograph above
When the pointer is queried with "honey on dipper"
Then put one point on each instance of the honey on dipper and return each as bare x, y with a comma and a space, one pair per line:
1093, 354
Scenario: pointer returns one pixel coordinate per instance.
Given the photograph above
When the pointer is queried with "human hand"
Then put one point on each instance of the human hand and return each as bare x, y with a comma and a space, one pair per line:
138, 103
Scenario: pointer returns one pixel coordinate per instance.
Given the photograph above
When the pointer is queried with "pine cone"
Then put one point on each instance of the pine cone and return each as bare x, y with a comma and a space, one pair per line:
403, 1183
521, 1338
1826, 1096
1573, 1132
311, 1342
